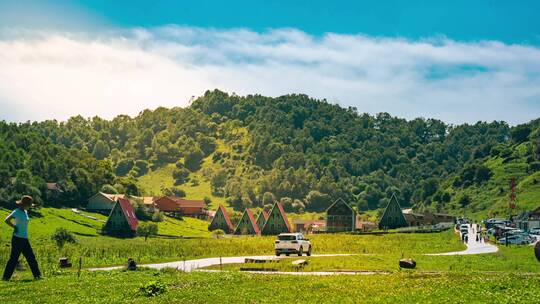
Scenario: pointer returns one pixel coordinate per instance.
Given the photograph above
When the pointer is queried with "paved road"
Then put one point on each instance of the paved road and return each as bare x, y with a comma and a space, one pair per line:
190, 265
473, 247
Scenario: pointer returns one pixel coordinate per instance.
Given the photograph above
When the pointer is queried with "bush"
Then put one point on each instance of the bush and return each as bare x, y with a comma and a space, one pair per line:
124, 166
193, 159
174, 191
62, 236
153, 288
147, 229
109, 189
180, 175
142, 166
218, 233
157, 216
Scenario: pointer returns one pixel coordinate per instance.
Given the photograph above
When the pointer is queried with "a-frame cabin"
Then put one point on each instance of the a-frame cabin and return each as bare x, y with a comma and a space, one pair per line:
261, 220
122, 220
392, 216
247, 225
277, 221
340, 217
221, 221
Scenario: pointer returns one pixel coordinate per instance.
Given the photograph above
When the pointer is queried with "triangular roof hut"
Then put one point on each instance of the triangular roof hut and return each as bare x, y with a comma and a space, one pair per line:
221, 221
392, 216
261, 220
277, 221
122, 219
340, 217
247, 224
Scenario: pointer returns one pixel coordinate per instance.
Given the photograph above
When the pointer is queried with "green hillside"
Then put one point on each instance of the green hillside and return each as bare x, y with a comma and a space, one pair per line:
251, 151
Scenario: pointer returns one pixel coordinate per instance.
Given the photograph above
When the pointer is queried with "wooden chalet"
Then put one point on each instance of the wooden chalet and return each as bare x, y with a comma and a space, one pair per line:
393, 217
247, 224
122, 220
180, 207
277, 221
221, 221
340, 217
103, 202
261, 219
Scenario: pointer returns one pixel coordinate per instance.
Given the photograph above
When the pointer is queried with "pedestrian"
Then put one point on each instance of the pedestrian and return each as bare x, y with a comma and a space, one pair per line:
477, 237
18, 220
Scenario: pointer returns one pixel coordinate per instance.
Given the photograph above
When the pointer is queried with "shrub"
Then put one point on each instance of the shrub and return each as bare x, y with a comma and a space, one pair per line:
147, 229
157, 216
62, 236
218, 233
153, 288
174, 191
109, 189
193, 159
180, 175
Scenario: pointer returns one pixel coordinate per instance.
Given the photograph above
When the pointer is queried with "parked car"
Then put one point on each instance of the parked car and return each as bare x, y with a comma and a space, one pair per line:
534, 231
517, 239
295, 243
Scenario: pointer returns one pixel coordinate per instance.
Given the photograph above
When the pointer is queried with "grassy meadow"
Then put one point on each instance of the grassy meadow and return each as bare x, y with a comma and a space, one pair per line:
234, 287
498, 277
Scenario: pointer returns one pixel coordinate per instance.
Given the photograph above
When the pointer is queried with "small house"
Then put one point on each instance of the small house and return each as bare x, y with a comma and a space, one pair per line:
247, 224
309, 226
393, 216
221, 221
180, 207
277, 221
52, 191
340, 217
261, 219
122, 220
103, 202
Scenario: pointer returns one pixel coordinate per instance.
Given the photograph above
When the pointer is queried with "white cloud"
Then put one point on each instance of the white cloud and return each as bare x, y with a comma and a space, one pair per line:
57, 74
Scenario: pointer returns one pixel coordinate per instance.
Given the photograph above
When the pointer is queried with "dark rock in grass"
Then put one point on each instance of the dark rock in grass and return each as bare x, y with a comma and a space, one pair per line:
537, 251
407, 263
131, 265
64, 263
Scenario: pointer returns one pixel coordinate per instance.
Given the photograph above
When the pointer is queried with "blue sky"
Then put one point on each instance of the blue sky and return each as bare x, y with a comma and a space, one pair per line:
460, 61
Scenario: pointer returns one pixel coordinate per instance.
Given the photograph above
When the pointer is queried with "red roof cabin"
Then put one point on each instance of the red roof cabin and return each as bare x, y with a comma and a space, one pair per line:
122, 220
180, 206
247, 225
221, 221
277, 221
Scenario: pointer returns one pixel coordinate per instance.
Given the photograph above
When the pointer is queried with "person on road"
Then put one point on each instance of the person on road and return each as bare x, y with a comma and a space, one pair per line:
18, 220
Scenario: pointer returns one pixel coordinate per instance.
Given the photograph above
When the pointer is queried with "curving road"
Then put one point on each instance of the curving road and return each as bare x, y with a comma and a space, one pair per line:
190, 265
473, 247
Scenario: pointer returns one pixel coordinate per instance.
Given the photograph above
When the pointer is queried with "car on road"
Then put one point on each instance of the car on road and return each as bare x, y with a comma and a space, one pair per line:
294, 243
517, 239
534, 231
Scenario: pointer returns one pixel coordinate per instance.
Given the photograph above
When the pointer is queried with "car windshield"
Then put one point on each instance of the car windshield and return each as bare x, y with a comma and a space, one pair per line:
287, 237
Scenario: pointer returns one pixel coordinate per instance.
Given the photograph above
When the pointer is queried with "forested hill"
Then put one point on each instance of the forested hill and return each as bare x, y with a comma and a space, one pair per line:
254, 150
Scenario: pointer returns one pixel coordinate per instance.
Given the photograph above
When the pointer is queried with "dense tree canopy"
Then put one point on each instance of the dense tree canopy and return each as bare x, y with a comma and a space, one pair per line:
292, 148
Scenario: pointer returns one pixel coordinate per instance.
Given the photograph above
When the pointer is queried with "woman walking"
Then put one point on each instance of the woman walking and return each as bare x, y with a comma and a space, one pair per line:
18, 220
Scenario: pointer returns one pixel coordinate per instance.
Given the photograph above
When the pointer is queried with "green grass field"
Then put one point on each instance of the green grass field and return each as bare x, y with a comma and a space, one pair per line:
404, 287
501, 277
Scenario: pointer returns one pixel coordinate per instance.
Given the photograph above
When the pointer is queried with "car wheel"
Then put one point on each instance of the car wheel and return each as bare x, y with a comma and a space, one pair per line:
287, 254
309, 251
278, 253
300, 251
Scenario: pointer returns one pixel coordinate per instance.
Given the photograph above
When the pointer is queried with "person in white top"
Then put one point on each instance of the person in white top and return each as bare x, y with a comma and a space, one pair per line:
18, 220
